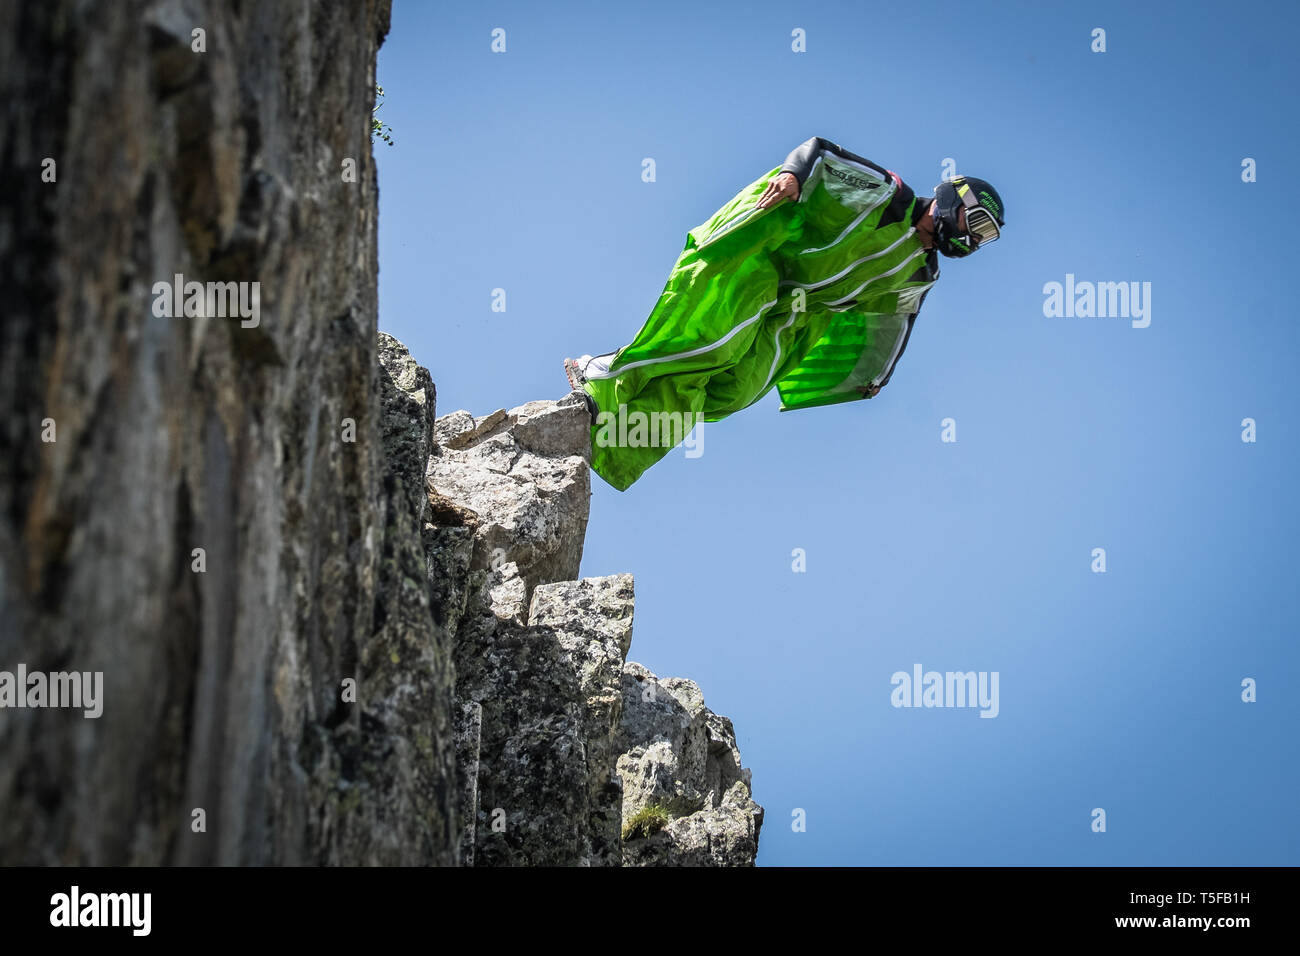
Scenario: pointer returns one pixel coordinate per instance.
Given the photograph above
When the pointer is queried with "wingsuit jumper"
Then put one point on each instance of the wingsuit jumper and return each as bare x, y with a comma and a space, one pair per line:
815, 297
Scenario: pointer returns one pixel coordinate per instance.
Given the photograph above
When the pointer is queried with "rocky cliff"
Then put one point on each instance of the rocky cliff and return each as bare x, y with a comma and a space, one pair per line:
194, 504
562, 742
307, 656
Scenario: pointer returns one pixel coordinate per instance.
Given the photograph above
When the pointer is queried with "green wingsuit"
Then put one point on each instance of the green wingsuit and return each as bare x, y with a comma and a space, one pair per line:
815, 297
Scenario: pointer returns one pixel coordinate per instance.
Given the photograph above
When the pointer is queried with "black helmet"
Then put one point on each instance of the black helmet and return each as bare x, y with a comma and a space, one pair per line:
984, 212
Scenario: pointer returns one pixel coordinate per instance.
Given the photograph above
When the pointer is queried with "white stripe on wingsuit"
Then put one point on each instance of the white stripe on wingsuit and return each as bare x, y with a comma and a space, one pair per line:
854, 294
701, 350
889, 192
777, 358
738, 219
849, 228
732, 223
898, 342
849, 268
893, 357
910, 296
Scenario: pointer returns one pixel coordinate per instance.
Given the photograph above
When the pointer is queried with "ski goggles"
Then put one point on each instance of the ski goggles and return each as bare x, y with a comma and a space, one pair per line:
981, 227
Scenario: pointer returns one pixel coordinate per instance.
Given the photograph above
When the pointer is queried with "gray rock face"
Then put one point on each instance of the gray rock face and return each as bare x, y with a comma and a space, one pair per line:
331, 629
562, 740
526, 473
548, 691
679, 755
397, 776
257, 439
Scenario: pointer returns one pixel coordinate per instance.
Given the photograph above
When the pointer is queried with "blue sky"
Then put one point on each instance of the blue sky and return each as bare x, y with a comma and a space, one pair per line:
1119, 690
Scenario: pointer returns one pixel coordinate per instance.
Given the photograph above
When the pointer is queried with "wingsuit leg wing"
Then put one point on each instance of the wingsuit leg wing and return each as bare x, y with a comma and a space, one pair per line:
706, 349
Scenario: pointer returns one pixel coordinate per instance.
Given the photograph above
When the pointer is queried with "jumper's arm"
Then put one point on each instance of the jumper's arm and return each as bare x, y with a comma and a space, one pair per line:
803, 157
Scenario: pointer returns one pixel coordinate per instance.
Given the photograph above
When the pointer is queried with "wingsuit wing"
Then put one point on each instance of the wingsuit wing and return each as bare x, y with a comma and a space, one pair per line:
858, 349
741, 210
861, 346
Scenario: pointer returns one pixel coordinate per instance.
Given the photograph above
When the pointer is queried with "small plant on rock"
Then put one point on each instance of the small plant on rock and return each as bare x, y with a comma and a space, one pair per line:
646, 822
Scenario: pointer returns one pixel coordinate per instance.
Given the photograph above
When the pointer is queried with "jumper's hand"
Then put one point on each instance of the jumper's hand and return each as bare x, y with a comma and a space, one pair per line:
786, 184
869, 391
